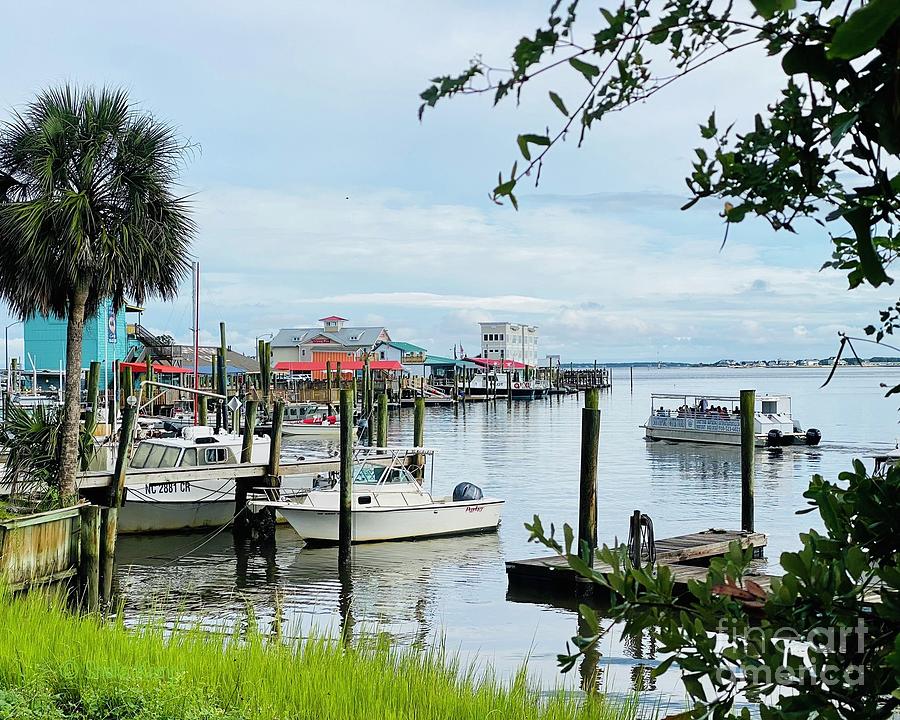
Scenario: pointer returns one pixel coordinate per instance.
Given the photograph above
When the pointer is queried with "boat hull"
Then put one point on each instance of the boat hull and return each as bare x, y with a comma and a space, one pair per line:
300, 429
720, 438
179, 505
379, 524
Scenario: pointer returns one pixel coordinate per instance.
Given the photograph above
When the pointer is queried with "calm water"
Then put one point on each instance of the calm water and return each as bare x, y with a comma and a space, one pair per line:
528, 454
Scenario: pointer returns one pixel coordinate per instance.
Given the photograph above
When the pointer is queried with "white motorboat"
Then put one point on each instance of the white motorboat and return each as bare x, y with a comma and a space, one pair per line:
389, 503
716, 419
310, 419
174, 504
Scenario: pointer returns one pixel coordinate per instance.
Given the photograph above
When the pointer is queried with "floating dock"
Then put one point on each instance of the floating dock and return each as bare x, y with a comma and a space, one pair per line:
686, 556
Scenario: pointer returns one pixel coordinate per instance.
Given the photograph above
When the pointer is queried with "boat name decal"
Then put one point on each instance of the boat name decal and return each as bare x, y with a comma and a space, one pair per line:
167, 487
475, 508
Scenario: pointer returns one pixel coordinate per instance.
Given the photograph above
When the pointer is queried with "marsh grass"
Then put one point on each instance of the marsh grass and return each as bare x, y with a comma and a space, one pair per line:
56, 665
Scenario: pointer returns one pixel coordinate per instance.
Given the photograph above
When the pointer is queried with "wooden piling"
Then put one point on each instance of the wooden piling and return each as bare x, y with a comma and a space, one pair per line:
203, 410
382, 420
631, 376
222, 369
89, 565
328, 383
110, 516
112, 414
93, 390
249, 429
748, 451
587, 500
509, 388
148, 375
241, 525
126, 434
345, 518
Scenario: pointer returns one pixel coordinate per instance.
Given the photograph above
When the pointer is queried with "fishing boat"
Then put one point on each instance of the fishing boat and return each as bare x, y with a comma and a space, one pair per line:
388, 503
180, 504
716, 419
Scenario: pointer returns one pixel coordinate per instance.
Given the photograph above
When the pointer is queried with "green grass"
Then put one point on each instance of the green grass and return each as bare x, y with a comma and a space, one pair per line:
57, 665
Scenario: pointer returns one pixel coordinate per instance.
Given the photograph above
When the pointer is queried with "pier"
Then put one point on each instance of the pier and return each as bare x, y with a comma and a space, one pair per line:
685, 556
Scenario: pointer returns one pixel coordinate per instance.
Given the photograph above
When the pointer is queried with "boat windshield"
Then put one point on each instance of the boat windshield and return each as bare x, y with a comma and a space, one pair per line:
376, 475
155, 455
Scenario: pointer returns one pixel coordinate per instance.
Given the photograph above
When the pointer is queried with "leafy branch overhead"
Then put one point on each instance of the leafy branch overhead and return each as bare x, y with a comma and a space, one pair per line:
826, 148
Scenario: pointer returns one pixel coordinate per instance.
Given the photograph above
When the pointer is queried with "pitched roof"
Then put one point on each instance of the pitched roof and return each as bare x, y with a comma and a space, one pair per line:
440, 360
405, 346
332, 317
351, 336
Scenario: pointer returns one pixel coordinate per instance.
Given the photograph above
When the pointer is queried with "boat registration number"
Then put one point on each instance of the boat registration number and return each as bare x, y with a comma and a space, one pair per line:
167, 488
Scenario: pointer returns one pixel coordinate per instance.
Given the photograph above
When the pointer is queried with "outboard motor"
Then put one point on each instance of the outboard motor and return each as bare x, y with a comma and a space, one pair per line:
774, 438
813, 436
467, 491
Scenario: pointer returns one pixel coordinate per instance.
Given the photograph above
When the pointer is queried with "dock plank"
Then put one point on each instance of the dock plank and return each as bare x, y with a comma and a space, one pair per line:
674, 553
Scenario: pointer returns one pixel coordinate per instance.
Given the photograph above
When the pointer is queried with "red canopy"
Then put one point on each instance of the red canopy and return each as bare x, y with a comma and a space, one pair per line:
158, 367
490, 362
346, 366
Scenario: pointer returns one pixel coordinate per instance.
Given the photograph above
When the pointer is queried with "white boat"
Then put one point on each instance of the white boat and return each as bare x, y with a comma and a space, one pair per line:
174, 504
493, 381
389, 503
310, 419
716, 419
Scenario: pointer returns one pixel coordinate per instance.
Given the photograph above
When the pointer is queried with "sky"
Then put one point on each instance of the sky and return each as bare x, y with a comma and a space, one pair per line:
317, 191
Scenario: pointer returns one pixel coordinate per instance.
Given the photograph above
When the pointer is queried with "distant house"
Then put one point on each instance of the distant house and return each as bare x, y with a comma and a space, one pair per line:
331, 341
404, 352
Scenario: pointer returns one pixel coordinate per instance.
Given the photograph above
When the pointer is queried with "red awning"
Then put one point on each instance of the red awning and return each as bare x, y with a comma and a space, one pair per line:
490, 362
157, 367
346, 366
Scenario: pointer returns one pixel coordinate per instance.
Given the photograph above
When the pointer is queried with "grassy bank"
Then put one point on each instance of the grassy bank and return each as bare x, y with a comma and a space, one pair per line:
55, 665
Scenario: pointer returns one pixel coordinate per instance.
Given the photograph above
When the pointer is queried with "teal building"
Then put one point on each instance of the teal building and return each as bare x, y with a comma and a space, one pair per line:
105, 340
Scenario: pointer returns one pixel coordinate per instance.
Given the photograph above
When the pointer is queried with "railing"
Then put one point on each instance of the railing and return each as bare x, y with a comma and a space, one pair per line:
698, 422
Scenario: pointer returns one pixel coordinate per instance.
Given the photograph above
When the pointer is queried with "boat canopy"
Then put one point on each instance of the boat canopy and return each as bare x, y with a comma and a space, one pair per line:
765, 404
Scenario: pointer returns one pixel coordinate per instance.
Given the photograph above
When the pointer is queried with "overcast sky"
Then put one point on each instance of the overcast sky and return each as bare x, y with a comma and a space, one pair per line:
318, 192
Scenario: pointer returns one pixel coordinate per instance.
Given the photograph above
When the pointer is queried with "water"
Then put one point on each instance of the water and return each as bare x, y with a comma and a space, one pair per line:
455, 588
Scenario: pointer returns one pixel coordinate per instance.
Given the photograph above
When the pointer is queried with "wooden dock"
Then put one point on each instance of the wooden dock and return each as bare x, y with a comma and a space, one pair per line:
686, 556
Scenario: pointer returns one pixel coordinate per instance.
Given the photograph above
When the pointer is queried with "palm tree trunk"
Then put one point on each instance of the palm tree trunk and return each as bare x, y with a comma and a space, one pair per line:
71, 426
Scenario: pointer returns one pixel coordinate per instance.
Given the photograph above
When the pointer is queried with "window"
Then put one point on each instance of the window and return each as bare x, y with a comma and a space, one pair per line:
139, 459
189, 457
170, 457
216, 456
769, 407
485, 337
501, 337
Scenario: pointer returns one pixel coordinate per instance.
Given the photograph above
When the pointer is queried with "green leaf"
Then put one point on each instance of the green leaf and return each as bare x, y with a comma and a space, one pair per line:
589, 71
839, 124
856, 562
523, 147
860, 219
810, 60
590, 617
768, 8
863, 29
557, 100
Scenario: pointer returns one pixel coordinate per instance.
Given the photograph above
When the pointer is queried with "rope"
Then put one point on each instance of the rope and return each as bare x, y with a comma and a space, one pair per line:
194, 549
642, 545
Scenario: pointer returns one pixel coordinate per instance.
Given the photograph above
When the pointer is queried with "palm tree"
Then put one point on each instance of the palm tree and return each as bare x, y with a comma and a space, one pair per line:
88, 212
